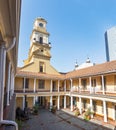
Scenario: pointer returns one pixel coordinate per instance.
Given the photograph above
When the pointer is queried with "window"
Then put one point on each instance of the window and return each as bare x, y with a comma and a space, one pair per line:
54, 86
93, 82
26, 83
41, 39
41, 67
84, 83
41, 84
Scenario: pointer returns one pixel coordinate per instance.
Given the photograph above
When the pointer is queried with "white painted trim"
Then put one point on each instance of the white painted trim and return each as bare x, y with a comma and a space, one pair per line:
2, 77
8, 83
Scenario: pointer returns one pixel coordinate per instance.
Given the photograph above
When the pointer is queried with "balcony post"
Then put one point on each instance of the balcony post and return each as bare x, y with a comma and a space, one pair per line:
64, 101
24, 85
23, 102
34, 89
2, 77
51, 86
8, 83
71, 107
58, 102
79, 85
34, 100
51, 101
105, 111
114, 109
91, 107
80, 105
103, 89
90, 85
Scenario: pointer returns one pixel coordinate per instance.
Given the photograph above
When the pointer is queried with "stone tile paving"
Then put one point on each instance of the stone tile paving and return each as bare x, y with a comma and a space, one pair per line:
59, 121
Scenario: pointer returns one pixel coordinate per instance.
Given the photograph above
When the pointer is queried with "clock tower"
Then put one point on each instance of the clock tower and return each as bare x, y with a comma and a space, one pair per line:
39, 53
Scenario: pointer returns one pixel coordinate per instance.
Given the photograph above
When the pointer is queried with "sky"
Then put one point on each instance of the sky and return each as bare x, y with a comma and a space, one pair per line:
76, 29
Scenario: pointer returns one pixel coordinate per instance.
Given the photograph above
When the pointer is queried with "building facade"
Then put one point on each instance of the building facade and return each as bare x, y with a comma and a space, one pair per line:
9, 36
38, 82
110, 42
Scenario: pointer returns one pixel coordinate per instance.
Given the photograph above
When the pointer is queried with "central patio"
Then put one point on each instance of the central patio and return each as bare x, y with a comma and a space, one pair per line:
46, 120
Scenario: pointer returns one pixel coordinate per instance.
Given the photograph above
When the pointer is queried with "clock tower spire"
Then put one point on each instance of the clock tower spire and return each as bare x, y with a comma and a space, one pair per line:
39, 53
39, 42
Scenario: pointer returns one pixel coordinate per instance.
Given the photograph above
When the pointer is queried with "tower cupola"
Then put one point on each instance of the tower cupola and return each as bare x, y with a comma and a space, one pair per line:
39, 34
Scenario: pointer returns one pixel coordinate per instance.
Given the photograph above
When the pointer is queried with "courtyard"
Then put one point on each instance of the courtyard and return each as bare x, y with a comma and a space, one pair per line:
46, 120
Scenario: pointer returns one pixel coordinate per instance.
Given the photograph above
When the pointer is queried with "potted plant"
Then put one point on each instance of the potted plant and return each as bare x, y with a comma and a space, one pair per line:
87, 114
35, 109
53, 109
77, 113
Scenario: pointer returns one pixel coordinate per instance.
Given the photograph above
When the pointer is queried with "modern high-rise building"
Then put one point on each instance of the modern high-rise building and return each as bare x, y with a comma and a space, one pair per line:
110, 41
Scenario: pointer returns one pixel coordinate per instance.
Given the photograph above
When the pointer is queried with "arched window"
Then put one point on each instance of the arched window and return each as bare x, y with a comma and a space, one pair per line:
41, 40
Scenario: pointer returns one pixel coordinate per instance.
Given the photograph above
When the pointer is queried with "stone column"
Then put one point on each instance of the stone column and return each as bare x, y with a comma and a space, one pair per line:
71, 107
51, 103
8, 83
64, 101
34, 100
105, 111
34, 88
91, 107
80, 105
2, 77
23, 102
79, 85
58, 102
103, 89
113, 107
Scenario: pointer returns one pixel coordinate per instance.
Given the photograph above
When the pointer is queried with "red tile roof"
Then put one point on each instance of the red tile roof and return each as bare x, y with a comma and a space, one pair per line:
37, 75
108, 67
99, 69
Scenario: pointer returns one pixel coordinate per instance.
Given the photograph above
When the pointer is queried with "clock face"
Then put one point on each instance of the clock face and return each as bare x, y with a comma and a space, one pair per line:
41, 24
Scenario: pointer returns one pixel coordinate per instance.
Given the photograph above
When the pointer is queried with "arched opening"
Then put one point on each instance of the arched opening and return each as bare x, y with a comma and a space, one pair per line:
41, 40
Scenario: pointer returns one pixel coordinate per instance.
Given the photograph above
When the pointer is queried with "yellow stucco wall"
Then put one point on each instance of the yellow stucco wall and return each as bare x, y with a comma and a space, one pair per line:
19, 83
30, 102
34, 67
31, 84
19, 102
110, 82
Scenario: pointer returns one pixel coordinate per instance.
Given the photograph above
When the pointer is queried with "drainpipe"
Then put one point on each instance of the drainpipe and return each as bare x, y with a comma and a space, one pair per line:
11, 45
3, 65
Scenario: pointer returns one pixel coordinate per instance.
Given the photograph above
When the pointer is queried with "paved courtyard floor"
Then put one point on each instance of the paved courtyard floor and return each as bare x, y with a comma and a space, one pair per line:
46, 120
